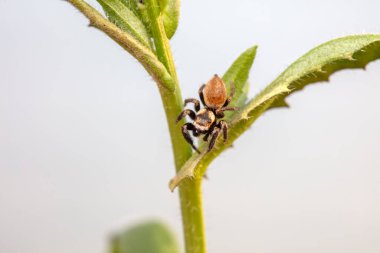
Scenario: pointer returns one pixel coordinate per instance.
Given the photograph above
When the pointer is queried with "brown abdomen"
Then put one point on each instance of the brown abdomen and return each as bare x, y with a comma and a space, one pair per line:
215, 93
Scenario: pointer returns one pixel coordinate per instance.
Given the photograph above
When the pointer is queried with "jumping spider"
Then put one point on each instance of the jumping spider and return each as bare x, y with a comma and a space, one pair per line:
213, 96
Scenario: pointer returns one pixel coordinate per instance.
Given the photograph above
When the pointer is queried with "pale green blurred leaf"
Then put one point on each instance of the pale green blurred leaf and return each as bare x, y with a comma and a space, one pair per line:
147, 237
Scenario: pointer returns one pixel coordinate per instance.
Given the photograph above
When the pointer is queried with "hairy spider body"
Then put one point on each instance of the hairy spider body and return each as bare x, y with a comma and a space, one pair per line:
204, 119
213, 96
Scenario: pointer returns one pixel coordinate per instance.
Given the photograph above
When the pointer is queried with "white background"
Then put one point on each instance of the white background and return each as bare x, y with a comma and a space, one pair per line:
84, 148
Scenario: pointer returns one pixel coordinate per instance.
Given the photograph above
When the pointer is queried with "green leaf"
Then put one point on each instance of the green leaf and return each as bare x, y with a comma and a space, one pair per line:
238, 75
170, 17
139, 9
132, 5
316, 66
126, 19
148, 237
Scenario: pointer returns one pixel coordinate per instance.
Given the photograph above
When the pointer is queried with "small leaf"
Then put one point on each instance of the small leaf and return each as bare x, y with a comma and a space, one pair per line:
238, 75
149, 237
126, 19
317, 65
170, 17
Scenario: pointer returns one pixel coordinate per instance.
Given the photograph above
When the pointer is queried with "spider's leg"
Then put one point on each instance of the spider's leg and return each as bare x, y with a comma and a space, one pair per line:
214, 136
219, 114
185, 132
223, 125
184, 113
232, 93
205, 138
228, 109
197, 106
200, 92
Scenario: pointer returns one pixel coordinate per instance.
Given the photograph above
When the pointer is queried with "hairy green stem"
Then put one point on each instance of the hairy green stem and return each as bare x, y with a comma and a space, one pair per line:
192, 216
190, 192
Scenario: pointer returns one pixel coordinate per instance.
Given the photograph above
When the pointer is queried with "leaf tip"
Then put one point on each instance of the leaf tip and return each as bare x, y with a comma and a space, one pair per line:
251, 51
253, 48
173, 183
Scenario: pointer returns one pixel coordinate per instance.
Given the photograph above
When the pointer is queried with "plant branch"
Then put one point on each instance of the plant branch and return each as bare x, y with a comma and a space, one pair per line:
143, 54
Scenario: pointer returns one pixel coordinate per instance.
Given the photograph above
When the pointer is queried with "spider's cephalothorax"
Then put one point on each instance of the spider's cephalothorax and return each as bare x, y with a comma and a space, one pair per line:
213, 96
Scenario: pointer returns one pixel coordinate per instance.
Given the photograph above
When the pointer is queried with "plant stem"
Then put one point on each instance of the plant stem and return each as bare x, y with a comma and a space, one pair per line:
189, 192
192, 216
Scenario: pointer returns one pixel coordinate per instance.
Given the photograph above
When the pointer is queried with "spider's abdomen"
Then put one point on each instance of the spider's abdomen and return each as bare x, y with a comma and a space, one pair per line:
215, 93
204, 120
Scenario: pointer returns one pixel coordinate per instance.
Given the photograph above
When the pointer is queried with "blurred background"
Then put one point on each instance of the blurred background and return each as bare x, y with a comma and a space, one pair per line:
84, 148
